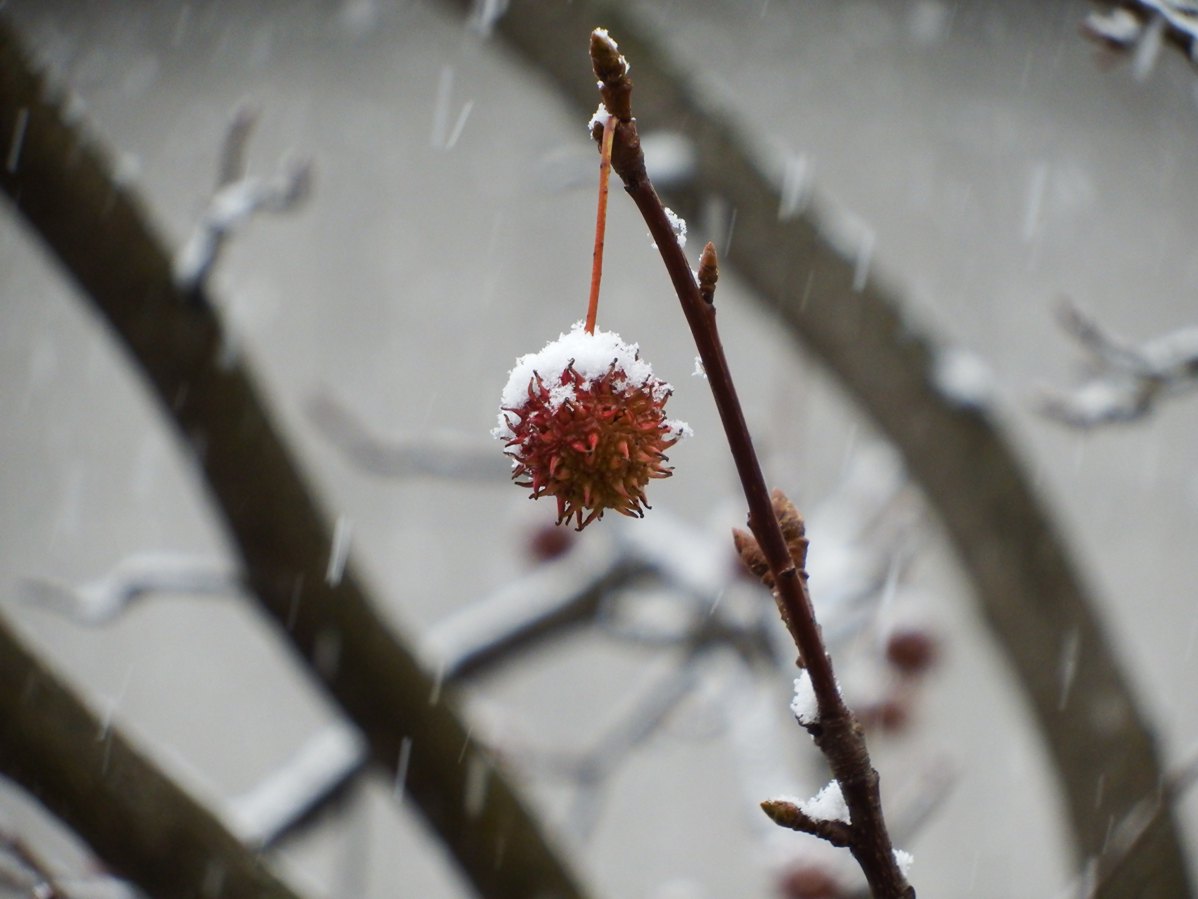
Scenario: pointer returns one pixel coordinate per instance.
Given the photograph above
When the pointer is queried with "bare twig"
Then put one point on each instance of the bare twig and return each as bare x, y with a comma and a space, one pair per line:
62, 186
839, 736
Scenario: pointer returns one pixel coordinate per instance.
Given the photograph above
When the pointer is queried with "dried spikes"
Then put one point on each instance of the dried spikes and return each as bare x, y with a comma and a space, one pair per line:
595, 451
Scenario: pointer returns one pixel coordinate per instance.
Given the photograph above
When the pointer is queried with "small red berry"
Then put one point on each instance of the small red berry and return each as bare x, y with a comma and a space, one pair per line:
890, 715
548, 542
584, 421
912, 651
810, 881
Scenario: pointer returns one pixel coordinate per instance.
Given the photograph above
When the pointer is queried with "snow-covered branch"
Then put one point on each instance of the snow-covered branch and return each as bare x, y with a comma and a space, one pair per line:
1128, 379
298, 788
237, 198
1141, 27
134, 578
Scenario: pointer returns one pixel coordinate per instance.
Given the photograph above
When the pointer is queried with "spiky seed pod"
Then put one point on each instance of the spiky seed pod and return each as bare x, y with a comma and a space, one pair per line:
584, 421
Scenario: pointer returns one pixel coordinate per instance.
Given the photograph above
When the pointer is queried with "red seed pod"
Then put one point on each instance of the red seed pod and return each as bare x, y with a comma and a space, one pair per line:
584, 421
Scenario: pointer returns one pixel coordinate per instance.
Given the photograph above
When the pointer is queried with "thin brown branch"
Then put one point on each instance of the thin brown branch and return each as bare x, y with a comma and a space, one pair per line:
839, 736
1026, 584
132, 814
62, 185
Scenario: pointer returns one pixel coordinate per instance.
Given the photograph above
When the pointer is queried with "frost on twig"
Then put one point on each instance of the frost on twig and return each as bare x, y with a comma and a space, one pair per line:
1128, 379
237, 198
103, 599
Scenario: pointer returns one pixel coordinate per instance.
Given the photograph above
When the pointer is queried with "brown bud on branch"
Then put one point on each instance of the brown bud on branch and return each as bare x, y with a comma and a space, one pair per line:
787, 814
794, 532
709, 273
611, 68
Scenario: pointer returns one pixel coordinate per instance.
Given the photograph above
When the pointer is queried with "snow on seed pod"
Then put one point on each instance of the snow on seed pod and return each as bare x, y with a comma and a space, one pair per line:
584, 422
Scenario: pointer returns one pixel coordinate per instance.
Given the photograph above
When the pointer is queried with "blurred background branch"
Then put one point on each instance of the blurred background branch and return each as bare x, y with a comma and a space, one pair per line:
60, 183
1127, 380
144, 826
996, 171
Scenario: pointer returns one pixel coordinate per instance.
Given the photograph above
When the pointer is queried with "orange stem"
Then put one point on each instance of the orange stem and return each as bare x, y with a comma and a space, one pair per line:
609, 130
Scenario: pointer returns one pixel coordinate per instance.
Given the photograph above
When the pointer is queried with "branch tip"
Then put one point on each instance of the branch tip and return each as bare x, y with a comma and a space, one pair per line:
787, 814
232, 158
606, 59
611, 68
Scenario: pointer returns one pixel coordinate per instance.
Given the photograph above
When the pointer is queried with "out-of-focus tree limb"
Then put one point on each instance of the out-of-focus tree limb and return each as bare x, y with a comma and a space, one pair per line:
430, 456
134, 816
1128, 380
1026, 584
1140, 27
61, 184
